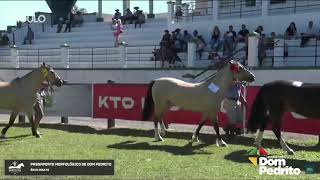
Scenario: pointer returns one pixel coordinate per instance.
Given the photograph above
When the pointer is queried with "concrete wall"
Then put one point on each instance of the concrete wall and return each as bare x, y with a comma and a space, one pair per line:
145, 76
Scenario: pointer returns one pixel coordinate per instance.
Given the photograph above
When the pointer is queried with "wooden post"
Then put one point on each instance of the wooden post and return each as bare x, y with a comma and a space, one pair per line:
64, 119
111, 122
22, 119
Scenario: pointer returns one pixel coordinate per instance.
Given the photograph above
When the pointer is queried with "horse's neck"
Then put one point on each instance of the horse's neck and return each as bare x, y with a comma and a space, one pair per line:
32, 81
223, 80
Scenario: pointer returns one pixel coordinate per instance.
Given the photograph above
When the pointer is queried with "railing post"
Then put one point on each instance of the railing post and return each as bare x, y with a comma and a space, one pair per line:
111, 121
170, 12
65, 55
22, 119
192, 54
215, 10
278, 52
64, 119
253, 53
123, 54
14, 56
185, 11
265, 8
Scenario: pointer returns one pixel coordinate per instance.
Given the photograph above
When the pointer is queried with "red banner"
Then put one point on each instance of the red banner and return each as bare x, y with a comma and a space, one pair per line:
125, 101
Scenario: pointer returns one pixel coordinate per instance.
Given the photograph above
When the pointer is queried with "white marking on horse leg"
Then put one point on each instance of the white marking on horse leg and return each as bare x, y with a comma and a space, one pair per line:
157, 135
162, 129
221, 143
285, 147
259, 139
195, 138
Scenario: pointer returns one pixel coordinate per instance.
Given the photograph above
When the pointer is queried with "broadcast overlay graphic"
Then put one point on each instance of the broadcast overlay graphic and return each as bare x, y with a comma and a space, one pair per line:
59, 167
280, 166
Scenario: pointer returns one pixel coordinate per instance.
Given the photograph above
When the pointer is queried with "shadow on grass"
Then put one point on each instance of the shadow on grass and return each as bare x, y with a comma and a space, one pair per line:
242, 157
188, 149
205, 138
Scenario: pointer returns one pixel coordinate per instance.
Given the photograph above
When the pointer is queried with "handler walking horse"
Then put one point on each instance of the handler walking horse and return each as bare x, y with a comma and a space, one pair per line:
204, 97
19, 95
278, 97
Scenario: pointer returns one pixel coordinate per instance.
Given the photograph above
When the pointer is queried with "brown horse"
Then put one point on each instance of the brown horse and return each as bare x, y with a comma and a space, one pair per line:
204, 97
19, 95
276, 98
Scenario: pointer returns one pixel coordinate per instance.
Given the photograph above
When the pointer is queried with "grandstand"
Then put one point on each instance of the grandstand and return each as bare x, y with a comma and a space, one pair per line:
92, 45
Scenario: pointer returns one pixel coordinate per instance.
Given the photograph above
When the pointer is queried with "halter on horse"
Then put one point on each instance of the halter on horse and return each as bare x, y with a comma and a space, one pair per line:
204, 97
19, 95
278, 97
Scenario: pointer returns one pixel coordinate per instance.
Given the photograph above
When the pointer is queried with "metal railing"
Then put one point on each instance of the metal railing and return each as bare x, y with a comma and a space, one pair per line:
195, 9
93, 57
240, 8
294, 6
38, 56
288, 52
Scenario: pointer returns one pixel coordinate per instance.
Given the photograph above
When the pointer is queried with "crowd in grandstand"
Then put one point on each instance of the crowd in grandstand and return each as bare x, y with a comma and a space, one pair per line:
137, 16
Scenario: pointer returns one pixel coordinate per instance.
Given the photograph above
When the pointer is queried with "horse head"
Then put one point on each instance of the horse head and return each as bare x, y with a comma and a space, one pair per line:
239, 72
51, 76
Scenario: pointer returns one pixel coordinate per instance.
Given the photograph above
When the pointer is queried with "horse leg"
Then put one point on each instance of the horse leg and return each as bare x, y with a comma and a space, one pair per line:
219, 140
196, 133
162, 128
38, 109
276, 130
258, 140
13, 116
157, 135
32, 123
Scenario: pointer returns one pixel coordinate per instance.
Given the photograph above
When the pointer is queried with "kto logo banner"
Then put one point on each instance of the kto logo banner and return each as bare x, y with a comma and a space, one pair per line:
33, 19
274, 166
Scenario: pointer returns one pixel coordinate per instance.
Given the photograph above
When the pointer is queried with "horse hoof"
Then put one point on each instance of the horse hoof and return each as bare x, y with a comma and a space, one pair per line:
290, 152
195, 139
38, 136
3, 136
221, 143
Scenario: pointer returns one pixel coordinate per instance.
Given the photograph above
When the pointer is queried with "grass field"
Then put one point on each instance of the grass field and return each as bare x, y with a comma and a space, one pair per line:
137, 156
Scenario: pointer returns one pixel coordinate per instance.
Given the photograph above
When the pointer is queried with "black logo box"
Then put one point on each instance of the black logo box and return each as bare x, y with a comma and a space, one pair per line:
59, 167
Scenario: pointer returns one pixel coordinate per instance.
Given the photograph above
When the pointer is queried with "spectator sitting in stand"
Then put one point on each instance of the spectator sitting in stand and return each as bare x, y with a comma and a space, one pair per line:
127, 16
5, 40
141, 19
291, 31
178, 11
178, 40
311, 32
29, 37
68, 25
230, 40
185, 39
215, 39
259, 30
243, 34
135, 13
60, 24
117, 15
201, 44
78, 19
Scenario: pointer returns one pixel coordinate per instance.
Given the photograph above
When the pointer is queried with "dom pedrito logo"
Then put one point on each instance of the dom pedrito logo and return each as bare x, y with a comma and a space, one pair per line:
274, 166
15, 167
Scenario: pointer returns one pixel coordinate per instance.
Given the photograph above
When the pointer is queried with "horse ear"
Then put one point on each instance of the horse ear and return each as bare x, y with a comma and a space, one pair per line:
43, 64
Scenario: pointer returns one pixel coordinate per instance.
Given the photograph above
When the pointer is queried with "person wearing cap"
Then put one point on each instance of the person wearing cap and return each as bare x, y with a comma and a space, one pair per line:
187, 37
117, 15
141, 19
165, 38
127, 16
178, 40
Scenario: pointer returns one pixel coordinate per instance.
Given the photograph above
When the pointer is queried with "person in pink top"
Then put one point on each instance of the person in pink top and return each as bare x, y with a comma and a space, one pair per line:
118, 30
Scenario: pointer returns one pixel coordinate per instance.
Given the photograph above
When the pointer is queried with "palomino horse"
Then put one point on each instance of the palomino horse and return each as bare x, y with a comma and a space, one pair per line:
278, 97
204, 97
19, 95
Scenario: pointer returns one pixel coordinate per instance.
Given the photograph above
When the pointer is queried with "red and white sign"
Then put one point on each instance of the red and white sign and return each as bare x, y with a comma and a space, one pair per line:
125, 101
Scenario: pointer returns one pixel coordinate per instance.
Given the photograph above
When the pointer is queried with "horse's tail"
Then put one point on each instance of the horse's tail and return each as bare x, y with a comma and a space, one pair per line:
148, 107
259, 116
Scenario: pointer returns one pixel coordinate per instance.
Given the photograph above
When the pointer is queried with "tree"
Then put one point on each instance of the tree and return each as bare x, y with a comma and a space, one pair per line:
76, 9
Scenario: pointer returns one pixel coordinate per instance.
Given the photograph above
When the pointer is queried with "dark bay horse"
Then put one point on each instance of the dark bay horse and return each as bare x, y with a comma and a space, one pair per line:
278, 97
19, 95
204, 97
